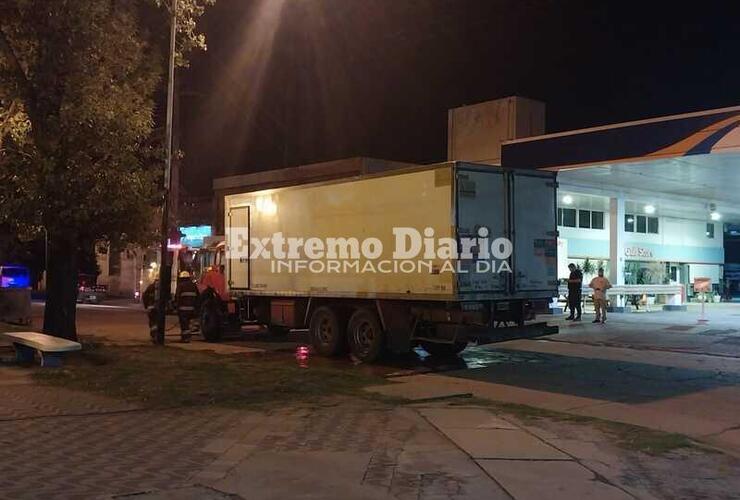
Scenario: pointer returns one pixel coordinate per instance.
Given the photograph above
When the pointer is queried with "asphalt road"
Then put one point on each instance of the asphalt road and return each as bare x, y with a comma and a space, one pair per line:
121, 321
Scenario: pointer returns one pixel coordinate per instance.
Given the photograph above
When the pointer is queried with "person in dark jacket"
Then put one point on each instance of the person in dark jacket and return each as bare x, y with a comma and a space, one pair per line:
575, 284
149, 297
149, 300
186, 298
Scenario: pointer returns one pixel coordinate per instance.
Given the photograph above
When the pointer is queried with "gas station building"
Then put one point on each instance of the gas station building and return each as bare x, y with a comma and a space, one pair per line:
647, 200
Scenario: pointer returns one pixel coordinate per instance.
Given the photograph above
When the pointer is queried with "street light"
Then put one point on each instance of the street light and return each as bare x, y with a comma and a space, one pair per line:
165, 267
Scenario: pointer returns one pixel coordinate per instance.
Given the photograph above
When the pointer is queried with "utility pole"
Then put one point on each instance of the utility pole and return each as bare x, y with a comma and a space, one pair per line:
165, 266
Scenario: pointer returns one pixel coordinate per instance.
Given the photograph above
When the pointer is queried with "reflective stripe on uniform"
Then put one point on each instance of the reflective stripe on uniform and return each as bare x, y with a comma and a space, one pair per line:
186, 308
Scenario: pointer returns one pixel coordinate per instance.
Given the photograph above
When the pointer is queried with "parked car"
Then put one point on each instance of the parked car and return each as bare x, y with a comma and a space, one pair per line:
88, 291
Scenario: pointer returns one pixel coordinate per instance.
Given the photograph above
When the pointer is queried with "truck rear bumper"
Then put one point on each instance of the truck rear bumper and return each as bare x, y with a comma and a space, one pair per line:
486, 335
483, 335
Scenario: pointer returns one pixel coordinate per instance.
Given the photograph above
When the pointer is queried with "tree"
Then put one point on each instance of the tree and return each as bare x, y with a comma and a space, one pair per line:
78, 153
588, 266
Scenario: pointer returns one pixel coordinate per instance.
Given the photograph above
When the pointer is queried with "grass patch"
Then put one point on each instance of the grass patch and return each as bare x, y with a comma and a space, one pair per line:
626, 436
166, 377
635, 438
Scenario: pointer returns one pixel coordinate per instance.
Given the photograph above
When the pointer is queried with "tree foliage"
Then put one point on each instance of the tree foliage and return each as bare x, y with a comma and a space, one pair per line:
78, 150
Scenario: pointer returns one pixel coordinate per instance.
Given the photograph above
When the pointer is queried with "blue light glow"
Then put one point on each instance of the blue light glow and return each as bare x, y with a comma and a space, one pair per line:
14, 277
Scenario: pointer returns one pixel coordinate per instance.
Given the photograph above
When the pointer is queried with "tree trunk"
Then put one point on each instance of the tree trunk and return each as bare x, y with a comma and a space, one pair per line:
61, 288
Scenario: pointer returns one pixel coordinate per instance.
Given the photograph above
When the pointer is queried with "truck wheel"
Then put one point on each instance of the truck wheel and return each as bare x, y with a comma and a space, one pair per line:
366, 336
210, 321
440, 350
325, 329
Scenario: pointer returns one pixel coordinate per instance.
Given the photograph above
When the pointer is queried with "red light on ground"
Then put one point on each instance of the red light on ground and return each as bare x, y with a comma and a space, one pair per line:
301, 355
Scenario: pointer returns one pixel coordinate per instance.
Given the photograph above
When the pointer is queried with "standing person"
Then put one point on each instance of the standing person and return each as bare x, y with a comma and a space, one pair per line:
149, 299
600, 285
186, 298
575, 282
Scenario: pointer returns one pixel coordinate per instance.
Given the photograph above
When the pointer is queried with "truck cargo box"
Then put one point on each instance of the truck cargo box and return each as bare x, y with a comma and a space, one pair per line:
350, 223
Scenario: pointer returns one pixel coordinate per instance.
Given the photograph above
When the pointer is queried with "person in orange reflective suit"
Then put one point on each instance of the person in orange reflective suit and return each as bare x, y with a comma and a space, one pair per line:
215, 279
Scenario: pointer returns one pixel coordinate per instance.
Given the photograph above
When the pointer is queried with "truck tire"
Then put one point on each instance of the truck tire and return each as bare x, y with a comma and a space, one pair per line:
211, 322
438, 349
365, 335
326, 332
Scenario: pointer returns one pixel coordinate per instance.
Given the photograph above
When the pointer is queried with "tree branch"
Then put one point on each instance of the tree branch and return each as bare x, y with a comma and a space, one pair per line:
6, 116
7, 48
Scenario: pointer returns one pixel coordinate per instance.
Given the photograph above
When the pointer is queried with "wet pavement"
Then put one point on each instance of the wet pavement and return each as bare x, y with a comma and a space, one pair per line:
609, 380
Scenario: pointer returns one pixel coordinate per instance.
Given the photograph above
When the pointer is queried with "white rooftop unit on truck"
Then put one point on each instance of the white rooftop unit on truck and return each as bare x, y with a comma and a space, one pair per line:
440, 299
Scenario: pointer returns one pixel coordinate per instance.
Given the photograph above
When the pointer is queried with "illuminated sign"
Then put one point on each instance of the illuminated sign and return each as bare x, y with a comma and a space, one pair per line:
645, 253
702, 285
192, 236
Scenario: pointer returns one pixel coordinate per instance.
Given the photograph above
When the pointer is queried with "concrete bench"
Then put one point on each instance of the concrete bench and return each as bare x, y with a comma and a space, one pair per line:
50, 349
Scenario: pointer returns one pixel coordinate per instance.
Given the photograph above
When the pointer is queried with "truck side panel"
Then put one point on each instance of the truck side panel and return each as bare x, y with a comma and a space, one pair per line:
363, 208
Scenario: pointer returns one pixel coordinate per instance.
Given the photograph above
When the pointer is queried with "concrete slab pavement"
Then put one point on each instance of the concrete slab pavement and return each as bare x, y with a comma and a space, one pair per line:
196, 492
417, 388
502, 444
304, 475
443, 418
693, 414
84, 446
525, 464
657, 370
661, 331
366, 453
535, 480
658, 357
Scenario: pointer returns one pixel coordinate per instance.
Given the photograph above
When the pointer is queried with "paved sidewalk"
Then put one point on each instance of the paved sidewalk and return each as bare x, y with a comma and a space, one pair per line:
58, 443
526, 465
676, 331
356, 450
709, 416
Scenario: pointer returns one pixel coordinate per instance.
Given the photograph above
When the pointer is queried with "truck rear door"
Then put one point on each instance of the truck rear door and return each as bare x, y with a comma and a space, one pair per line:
481, 203
237, 248
534, 235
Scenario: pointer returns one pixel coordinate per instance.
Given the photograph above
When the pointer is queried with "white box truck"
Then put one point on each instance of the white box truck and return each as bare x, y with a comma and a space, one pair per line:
436, 255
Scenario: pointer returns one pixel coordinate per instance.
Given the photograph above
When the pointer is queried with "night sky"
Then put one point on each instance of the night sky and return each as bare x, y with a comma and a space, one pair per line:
297, 81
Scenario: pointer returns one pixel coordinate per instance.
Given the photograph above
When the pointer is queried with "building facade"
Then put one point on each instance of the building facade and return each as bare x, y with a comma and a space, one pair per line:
660, 246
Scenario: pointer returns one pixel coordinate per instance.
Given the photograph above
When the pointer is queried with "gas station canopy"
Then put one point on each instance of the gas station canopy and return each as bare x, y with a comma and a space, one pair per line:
686, 162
